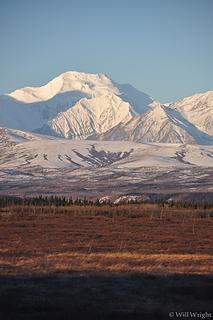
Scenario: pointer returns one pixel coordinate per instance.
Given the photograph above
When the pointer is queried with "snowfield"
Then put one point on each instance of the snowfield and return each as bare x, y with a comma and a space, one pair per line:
24, 149
32, 163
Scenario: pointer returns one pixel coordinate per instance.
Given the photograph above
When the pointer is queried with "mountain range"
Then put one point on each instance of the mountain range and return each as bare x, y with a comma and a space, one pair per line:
80, 106
66, 138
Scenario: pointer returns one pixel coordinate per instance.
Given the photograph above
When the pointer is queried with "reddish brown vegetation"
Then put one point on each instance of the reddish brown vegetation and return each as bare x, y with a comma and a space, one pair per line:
88, 262
125, 238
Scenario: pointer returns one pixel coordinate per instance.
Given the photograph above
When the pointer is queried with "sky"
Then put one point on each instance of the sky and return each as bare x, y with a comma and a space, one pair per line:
162, 47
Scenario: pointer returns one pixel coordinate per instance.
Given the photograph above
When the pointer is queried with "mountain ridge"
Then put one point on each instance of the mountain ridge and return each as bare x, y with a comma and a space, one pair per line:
77, 105
160, 124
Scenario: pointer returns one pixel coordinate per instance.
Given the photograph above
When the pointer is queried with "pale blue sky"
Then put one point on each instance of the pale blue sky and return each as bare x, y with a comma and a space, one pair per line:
162, 47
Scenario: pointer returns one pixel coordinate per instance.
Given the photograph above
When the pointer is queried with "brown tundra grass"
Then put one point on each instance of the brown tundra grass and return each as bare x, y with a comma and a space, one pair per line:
128, 238
87, 262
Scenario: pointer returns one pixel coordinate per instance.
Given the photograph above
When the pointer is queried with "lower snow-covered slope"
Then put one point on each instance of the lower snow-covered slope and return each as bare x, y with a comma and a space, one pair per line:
13, 136
23, 150
89, 117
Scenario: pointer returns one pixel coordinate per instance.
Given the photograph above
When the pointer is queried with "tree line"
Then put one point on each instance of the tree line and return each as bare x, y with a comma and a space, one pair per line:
61, 201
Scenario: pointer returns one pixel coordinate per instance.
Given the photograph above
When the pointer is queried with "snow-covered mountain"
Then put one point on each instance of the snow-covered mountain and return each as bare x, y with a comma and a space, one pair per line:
78, 105
90, 116
87, 84
160, 124
31, 108
197, 109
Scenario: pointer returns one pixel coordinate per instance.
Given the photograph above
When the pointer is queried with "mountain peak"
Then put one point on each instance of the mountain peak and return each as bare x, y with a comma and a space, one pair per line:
89, 83
33, 107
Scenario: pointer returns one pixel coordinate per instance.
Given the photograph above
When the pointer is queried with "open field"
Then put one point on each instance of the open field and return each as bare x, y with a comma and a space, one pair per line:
88, 262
